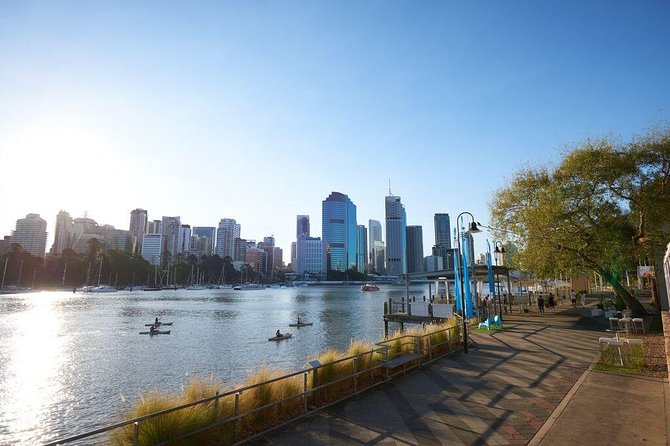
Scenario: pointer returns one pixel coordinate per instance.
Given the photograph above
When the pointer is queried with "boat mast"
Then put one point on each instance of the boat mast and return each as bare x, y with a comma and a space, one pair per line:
3, 274
18, 282
64, 271
99, 272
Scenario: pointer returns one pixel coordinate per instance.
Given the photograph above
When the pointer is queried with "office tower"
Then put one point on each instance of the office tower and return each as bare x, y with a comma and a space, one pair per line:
277, 258
184, 241
63, 234
294, 250
442, 230
375, 235
258, 259
170, 229
205, 237
361, 249
471, 248
226, 234
379, 254
138, 226
396, 236
31, 234
268, 247
152, 248
339, 230
119, 240
239, 250
311, 257
84, 230
154, 227
414, 249
432, 263
302, 226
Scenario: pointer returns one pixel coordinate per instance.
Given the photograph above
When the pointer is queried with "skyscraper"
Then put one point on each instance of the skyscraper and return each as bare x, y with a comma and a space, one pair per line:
31, 234
171, 229
442, 230
205, 238
226, 234
361, 249
138, 226
302, 226
310, 257
414, 249
375, 235
339, 230
63, 236
396, 236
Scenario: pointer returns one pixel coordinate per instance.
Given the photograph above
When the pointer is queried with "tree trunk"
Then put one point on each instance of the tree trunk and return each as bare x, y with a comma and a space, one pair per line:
621, 291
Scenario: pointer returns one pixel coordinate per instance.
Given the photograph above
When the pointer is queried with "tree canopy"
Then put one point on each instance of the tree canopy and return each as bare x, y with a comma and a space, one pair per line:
600, 208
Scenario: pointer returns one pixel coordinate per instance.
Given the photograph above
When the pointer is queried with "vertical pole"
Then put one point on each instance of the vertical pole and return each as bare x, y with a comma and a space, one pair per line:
216, 405
18, 282
3, 274
237, 412
460, 270
304, 391
430, 288
353, 368
34, 272
64, 271
509, 291
136, 433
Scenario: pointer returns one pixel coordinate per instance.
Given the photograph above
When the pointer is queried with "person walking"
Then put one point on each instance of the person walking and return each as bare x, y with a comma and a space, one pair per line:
551, 303
540, 303
573, 298
582, 300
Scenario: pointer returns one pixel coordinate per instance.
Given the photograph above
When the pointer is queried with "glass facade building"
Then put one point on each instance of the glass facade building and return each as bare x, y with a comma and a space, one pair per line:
396, 236
339, 230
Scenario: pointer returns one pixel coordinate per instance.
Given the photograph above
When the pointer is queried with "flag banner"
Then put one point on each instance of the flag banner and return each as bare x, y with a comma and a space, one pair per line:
457, 281
492, 285
466, 277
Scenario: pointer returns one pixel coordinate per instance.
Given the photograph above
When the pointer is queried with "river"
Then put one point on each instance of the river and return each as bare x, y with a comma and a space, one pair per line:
70, 363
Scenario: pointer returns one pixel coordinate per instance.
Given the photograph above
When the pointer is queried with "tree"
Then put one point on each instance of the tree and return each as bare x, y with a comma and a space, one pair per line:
598, 209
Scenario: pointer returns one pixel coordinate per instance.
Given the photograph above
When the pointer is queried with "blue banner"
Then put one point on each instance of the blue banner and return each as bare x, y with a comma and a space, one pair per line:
492, 285
466, 276
457, 277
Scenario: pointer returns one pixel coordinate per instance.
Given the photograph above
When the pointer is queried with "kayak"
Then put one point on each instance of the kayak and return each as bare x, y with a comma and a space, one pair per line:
301, 324
280, 338
159, 324
156, 332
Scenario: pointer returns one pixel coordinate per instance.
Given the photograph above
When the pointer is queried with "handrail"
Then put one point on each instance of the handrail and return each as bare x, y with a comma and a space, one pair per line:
384, 349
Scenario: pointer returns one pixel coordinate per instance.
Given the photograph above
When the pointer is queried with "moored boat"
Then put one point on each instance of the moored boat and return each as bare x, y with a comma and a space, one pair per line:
369, 287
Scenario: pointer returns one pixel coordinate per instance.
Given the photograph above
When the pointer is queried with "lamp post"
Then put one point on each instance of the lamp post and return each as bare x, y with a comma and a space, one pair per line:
473, 229
497, 251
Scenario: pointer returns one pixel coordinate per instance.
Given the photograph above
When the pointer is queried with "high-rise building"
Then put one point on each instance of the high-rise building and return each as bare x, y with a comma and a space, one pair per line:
154, 227
268, 247
205, 237
171, 227
311, 257
63, 235
239, 250
31, 234
138, 226
226, 234
379, 254
396, 236
184, 241
375, 235
277, 258
302, 226
119, 239
361, 249
85, 230
442, 230
152, 248
414, 249
294, 250
258, 259
339, 230
432, 263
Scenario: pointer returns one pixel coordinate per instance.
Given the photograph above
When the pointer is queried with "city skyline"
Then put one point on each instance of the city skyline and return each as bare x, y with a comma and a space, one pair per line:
115, 107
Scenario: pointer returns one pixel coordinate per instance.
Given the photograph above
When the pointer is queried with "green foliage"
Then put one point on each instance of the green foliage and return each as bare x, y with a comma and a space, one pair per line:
602, 206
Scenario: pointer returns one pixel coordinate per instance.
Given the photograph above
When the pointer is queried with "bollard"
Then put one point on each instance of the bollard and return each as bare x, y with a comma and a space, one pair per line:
355, 375
216, 404
136, 433
304, 391
237, 412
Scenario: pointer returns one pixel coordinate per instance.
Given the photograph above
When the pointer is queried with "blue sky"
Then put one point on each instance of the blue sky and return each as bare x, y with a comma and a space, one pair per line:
258, 110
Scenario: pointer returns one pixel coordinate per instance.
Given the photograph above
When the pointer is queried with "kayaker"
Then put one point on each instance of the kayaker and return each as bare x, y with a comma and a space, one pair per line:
299, 320
152, 329
278, 334
156, 323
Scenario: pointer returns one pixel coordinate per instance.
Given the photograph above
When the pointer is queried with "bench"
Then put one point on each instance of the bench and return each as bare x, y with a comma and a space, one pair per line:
401, 360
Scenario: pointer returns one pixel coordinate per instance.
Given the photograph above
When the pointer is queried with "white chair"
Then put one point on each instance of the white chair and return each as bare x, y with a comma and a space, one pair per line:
614, 323
604, 342
625, 323
638, 322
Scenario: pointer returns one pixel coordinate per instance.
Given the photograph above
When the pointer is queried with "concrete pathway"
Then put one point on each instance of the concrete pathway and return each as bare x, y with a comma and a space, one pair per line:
510, 389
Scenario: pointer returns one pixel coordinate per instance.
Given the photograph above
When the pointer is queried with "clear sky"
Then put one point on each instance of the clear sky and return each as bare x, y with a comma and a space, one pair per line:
257, 110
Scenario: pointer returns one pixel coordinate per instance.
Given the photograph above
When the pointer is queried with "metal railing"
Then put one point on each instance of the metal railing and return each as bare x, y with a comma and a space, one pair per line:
330, 384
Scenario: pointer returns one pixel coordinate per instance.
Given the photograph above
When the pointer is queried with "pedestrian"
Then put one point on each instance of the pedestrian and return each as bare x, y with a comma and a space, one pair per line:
551, 303
540, 303
583, 300
573, 298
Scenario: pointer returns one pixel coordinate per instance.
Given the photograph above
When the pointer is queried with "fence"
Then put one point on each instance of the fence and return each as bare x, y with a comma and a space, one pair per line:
245, 413
421, 309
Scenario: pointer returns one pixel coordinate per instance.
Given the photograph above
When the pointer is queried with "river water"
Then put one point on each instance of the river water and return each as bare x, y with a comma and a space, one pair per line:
70, 363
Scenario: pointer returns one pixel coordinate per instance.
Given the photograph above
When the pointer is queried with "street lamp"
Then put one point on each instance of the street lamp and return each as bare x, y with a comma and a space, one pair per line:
472, 229
497, 251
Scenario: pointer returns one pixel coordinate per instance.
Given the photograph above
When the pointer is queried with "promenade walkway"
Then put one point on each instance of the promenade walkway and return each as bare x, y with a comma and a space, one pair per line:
529, 384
